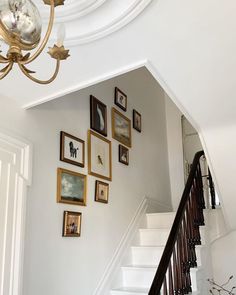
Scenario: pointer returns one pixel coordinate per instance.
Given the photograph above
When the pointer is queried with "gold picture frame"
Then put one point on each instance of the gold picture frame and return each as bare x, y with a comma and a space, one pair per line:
121, 128
99, 156
71, 224
101, 191
71, 187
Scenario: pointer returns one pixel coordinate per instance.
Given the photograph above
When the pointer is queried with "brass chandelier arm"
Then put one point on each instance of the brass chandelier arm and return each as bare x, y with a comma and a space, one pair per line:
3, 60
27, 73
46, 37
7, 70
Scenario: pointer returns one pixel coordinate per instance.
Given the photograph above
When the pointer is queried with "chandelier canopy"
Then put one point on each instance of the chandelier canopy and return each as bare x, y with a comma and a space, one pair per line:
20, 28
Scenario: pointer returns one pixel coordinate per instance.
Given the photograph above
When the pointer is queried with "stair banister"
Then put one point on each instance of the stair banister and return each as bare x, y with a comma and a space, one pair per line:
173, 273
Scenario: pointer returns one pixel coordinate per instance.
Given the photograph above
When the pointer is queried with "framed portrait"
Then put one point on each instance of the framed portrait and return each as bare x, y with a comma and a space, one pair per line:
98, 116
120, 99
71, 224
101, 191
71, 149
99, 156
123, 155
121, 128
71, 187
137, 121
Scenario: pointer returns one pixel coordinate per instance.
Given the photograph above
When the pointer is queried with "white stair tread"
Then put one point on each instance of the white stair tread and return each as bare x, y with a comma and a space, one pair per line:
130, 290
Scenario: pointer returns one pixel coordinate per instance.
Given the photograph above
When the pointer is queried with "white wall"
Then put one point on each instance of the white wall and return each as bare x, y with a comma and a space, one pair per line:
175, 151
59, 266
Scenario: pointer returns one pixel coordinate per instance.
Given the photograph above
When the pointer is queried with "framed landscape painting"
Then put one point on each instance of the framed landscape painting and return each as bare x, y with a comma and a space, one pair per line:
71, 224
71, 187
98, 116
71, 149
99, 156
121, 128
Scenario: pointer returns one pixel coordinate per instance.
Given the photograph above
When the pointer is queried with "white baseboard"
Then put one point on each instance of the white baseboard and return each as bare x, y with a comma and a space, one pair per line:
147, 205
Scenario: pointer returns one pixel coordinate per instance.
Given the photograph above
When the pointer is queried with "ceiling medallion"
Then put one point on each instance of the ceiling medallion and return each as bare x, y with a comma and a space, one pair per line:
20, 28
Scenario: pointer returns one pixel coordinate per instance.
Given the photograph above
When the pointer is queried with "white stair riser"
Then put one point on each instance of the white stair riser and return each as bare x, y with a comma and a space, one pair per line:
152, 255
143, 277
160, 220
153, 237
146, 255
137, 277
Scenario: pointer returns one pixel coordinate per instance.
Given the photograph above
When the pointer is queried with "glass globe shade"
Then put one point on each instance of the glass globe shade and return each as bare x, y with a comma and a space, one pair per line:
21, 18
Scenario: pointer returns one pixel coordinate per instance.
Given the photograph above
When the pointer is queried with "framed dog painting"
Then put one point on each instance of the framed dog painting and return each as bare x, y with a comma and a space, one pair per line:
71, 149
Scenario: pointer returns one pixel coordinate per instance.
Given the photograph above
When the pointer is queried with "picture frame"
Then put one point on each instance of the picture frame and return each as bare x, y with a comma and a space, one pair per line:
101, 191
121, 128
98, 116
121, 99
123, 155
72, 149
99, 156
71, 187
71, 224
137, 121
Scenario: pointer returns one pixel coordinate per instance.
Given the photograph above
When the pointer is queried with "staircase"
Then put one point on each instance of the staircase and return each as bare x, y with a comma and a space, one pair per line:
145, 255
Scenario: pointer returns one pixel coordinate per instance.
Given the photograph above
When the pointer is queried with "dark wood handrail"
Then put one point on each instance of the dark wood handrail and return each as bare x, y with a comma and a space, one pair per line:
179, 251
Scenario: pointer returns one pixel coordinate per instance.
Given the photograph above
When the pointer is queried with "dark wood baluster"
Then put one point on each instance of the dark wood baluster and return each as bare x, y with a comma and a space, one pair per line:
181, 259
165, 287
175, 270
212, 190
192, 240
186, 254
179, 265
171, 285
196, 216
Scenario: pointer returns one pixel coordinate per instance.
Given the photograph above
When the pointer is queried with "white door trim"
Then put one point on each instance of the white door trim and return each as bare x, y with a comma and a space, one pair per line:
15, 176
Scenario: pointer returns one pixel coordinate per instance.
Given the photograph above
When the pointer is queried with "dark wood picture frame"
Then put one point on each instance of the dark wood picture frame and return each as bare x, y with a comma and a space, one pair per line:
80, 199
100, 186
92, 153
98, 120
137, 121
116, 130
123, 155
73, 149
118, 96
71, 224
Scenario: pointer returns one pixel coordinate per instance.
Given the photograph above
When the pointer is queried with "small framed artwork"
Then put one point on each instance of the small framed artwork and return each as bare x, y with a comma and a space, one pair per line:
121, 128
101, 192
137, 121
123, 155
98, 116
99, 156
71, 224
120, 99
71, 149
71, 187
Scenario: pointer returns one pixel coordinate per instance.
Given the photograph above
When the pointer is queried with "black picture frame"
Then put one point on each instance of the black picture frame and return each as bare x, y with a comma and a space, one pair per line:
137, 121
98, 116
123, 155
72, 149
121, 99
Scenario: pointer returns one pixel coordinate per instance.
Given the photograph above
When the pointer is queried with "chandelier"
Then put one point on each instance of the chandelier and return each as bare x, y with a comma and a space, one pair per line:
20, 29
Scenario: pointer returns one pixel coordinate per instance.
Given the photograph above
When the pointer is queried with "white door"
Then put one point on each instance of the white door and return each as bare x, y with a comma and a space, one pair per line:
15, 166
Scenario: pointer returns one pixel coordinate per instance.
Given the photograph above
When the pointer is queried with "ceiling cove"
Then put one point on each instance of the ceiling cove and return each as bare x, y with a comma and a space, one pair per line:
89, 20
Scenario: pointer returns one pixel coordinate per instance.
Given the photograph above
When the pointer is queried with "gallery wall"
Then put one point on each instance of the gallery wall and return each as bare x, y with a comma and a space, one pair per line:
74, 266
